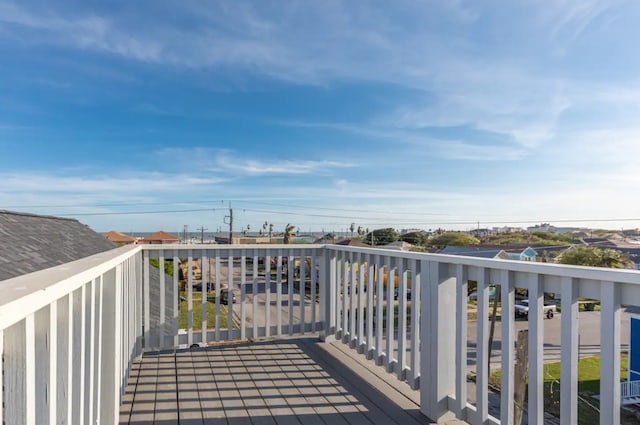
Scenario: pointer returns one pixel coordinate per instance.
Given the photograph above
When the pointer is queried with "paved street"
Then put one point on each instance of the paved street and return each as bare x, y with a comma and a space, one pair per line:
589, 328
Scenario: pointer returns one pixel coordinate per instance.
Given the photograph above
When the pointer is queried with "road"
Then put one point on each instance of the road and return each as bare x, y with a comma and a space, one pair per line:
589, 336
260, 317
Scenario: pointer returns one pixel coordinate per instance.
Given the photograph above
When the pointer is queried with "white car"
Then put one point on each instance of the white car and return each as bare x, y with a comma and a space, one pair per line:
522, 309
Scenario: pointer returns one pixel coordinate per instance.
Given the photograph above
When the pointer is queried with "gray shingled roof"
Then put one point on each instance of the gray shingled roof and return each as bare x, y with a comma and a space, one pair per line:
474, 252
29, 242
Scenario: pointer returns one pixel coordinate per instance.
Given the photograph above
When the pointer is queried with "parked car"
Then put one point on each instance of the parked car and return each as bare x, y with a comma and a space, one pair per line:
522, 309
225, 298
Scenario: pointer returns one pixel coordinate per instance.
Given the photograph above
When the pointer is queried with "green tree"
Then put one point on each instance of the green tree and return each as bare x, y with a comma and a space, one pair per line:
454, 239
414, 238
288, 233
382, 236
594, 257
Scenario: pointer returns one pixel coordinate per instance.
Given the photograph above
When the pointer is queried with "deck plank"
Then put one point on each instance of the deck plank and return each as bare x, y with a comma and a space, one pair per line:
167, 391
145, 393
129, 393
190, 410
276, 382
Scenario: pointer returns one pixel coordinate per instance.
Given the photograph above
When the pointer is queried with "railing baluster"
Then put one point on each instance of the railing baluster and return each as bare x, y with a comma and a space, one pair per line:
389, 360
379, 310
610, 349
146, 329
69, 346
254, 301
482, 358
30, 369
361, 337
53, 362
2, 415
314, 288
279, 292
162, 326
243, 294
100, 316
535, 402
190, 298
569, 352
337, 277
303, 290
217, 298
416, 282
402, 320
345, 299
353, 287
92, 349
462, 279
176, 299
230, 271
204, 304
508, 296
267, 295
369, 343
290, 280
82, 352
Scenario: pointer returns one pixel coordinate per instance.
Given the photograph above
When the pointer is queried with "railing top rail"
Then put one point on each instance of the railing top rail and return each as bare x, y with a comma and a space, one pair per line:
23, 295
579, 272
226, 247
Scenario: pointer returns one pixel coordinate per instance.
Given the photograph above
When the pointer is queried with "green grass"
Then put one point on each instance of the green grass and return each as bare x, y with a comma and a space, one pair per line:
197, 312
588, 385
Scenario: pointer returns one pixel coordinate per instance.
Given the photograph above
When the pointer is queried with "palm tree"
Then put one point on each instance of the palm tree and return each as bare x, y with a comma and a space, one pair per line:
288, 233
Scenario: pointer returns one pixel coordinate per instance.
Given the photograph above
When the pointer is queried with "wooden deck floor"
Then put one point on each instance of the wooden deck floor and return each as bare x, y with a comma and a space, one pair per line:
292, 381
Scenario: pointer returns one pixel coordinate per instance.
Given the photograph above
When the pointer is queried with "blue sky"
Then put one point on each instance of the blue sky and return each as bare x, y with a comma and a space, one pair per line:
408, 113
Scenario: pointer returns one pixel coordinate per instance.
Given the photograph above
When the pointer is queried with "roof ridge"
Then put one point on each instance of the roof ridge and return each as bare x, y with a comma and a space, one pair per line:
24, 214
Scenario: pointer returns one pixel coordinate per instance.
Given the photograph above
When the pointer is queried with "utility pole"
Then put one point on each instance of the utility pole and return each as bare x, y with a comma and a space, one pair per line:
185, 231
202, 229
230, 223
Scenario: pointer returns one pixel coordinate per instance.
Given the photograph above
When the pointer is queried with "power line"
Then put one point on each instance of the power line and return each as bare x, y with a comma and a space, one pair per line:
134, 212
362, 220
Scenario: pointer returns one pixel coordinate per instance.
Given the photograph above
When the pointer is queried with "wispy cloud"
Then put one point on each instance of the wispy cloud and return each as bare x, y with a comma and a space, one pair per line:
226, 161
140, 183
569, 19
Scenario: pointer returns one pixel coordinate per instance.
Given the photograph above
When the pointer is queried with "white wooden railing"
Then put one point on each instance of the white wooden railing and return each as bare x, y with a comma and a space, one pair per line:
630, 392
68, 336
102, 312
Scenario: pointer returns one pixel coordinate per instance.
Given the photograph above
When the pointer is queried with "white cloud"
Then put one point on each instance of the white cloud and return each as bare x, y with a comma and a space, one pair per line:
226, 161
142, 183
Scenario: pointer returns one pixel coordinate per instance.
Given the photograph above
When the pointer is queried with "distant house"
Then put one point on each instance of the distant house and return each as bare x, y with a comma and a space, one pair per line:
528, 254
398, 246
120, 238
352, 242
480, 233
634, 343
33, 242
475, 252
599, 242
160, 237
325, 239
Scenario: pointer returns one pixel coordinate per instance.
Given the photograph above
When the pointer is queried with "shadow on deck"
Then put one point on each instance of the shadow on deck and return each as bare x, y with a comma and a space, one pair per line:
290, 381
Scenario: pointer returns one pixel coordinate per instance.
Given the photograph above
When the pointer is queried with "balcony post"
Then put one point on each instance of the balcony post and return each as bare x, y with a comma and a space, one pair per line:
438, 327
327, 291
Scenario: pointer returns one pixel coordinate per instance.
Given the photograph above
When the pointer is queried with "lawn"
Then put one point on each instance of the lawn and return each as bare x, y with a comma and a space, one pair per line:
588, 385
197, 311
